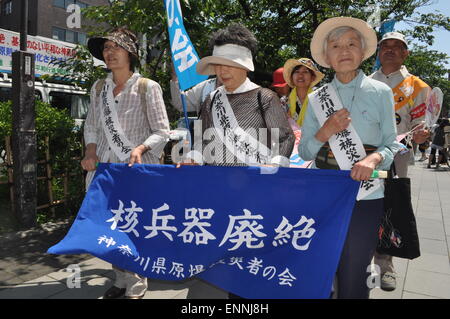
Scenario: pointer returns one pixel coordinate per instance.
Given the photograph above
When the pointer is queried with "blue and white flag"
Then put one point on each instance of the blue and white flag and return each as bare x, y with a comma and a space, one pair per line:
256, 235
184, 56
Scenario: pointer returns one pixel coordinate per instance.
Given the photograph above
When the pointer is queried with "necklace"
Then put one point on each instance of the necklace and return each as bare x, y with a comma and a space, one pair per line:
353, 97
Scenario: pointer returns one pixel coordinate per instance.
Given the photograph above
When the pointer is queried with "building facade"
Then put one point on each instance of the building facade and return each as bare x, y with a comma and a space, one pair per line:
47, 18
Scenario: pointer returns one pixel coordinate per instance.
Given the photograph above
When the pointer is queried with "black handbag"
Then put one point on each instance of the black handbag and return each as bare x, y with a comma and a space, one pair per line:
398, 230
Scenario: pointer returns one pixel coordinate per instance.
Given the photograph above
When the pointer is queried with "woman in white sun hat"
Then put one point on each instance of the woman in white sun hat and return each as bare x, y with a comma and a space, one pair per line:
234, 115
349, 125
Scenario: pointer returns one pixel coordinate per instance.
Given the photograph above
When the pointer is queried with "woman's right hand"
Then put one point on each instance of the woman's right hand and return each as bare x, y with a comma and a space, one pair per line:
90, 160
336, 123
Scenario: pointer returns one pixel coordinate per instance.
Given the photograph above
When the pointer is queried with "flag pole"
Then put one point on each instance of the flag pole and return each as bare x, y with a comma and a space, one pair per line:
186, 119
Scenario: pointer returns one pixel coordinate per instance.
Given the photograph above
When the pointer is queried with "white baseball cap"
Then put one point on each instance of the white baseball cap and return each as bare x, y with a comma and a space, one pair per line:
394, 36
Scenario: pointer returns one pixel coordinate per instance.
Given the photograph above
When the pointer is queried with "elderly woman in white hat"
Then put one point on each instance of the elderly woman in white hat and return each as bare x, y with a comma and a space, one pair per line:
234, 115
350, 125
301, 75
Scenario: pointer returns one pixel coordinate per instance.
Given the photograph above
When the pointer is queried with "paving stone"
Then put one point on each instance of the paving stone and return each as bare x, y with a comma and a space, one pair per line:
431, 246
91, 287
428, 283
410, 295
432, 263
39, 288
430, 228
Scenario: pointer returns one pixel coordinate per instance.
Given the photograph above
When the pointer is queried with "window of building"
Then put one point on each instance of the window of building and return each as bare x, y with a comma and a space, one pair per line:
59, 3
82, 39
8, 7
58, 34
64, 3
82, 4
70, 36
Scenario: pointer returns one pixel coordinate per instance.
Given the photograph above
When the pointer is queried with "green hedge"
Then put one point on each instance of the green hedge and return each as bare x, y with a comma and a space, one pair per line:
65, 143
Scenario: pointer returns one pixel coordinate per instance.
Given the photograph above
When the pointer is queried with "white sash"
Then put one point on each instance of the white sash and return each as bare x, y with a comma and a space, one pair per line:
347, 146
244, 146
115, 136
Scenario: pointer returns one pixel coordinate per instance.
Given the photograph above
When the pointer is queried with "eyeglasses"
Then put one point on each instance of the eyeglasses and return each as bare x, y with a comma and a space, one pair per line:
112, 47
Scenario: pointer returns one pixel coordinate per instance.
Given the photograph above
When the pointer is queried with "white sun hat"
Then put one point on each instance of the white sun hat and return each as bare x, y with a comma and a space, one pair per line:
227, 54
324, 29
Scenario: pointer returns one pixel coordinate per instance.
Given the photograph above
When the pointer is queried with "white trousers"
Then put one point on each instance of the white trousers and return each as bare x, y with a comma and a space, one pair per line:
384, 262
135, 285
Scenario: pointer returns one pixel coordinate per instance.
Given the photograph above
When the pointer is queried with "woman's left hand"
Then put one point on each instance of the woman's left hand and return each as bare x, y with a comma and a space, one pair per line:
363, 169
136, 155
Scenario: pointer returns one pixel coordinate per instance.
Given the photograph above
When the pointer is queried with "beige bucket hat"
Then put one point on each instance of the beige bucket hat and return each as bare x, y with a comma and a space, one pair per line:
292, 63
322, 31
227, 54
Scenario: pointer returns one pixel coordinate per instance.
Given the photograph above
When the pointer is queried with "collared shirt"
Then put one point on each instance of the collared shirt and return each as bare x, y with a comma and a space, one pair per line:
142, 124
244, 87
406, 117
371, 107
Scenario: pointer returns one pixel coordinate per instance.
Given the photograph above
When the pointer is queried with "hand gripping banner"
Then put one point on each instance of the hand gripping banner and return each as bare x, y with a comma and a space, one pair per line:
256, 235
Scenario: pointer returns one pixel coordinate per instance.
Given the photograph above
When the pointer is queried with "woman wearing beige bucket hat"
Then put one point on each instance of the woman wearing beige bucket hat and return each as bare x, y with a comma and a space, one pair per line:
301, 75
236, 111
350, 125
126, 123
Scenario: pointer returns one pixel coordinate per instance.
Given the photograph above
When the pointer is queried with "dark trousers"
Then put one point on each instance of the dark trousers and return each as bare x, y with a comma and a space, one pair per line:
359, 247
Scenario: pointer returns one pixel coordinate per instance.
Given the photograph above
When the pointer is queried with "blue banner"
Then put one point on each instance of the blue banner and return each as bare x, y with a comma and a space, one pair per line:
255, 234
184, 56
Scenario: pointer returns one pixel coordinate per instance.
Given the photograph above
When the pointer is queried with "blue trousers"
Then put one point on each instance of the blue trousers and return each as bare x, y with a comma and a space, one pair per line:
359, 247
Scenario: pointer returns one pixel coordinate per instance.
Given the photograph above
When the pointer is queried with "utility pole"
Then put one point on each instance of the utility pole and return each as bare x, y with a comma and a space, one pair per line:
24, 131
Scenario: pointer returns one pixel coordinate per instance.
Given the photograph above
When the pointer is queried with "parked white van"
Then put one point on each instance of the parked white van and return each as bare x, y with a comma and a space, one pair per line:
61, 96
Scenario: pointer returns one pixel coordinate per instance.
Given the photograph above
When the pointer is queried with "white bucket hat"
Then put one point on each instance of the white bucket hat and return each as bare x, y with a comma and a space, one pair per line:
227, 54
324, 29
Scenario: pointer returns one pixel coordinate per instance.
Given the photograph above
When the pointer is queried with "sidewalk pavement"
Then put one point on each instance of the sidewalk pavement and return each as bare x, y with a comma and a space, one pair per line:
427, 277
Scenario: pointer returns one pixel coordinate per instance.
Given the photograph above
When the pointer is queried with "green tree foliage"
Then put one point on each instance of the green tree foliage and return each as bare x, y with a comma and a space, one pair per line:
284, 28
64, 147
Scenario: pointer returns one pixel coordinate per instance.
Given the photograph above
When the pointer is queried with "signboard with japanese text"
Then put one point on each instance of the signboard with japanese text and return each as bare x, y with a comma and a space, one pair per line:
46, 51
257, 235
184, 56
